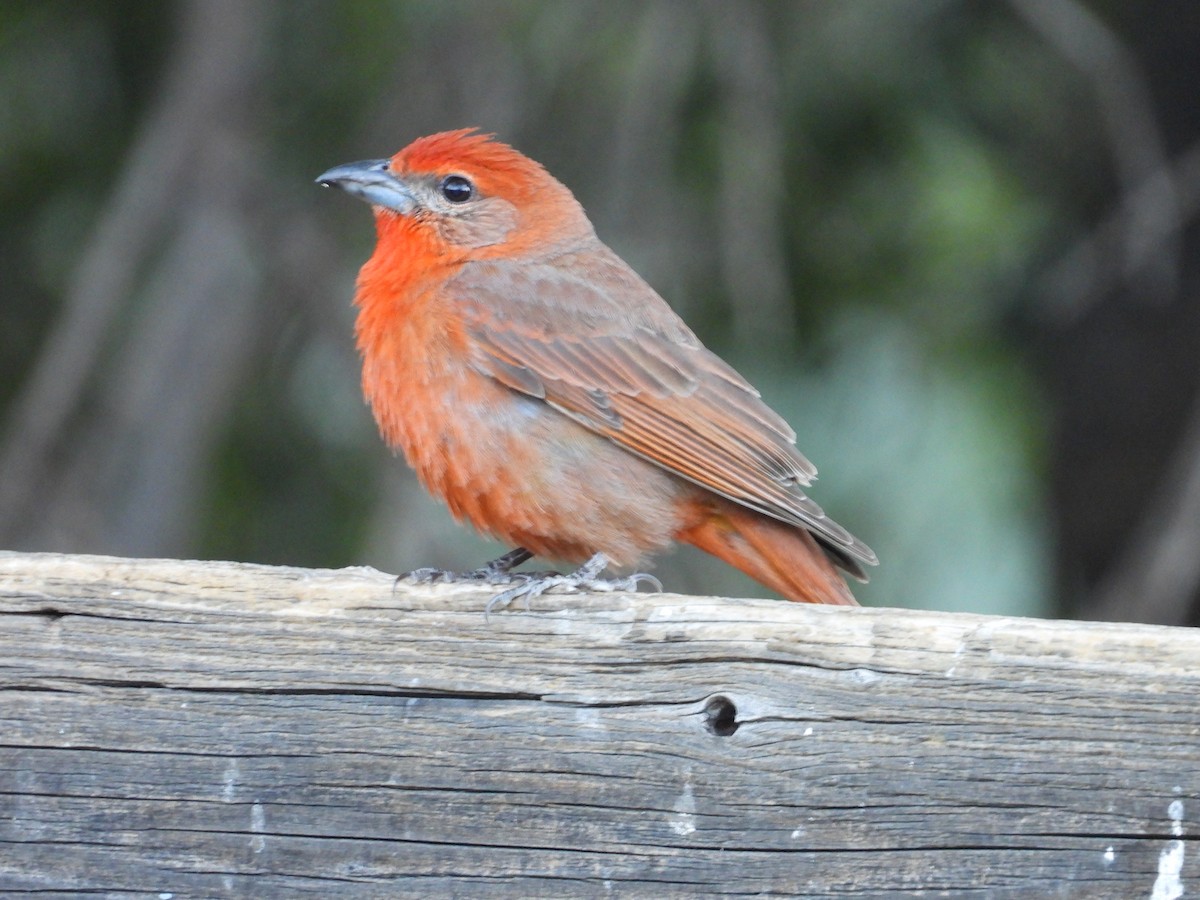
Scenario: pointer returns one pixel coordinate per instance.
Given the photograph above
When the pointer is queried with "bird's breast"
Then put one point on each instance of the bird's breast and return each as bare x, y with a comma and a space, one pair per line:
510, 464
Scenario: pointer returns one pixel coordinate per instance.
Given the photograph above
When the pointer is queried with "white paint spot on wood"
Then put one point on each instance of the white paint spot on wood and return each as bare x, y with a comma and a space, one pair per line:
808, 731
683, 822
165, 895
1169, 885
798, 832
232, 774
865, 676
258, 824
958, 653
1109, 855
588, 717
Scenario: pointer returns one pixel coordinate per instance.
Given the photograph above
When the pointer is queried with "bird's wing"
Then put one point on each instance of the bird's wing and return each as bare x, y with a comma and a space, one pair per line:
602, 347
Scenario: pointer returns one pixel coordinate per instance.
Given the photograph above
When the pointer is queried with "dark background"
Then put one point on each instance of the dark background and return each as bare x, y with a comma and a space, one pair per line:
954, 243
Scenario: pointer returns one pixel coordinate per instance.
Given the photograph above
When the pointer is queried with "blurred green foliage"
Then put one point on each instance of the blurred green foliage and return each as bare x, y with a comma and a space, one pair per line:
847, 200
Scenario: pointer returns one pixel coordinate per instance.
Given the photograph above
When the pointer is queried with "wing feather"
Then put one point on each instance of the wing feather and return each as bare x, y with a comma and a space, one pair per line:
608, 352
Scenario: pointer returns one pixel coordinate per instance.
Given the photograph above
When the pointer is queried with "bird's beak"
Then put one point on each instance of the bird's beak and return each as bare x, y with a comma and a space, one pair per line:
371, 180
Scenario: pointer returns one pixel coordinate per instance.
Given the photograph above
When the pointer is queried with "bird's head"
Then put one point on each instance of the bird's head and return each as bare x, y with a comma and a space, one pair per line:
466, 194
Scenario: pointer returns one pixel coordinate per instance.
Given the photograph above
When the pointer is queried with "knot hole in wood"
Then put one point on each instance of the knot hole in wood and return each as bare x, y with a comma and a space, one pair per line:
720, 715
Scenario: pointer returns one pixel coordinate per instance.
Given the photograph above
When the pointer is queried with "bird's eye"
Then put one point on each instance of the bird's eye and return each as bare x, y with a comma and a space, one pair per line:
457, 189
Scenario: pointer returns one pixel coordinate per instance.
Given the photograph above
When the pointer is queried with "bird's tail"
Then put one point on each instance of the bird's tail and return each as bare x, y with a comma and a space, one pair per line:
784, 557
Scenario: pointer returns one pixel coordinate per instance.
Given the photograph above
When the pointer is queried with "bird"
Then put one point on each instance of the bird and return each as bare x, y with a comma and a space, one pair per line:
552, 399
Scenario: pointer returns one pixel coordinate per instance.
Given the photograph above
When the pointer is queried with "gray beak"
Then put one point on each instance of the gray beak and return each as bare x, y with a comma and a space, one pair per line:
371, 180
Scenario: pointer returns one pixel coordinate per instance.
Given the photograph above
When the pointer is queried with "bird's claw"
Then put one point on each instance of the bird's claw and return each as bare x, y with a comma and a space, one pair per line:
497, 572
482, 575
427, 575
585, 578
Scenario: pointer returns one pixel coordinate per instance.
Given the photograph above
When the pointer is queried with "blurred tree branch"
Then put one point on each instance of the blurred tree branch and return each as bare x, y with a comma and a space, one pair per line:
183, 171
1150, 244
1099, 263
1157, 577
1133, 257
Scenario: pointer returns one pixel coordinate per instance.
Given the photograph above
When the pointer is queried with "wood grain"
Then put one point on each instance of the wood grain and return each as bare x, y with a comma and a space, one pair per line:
201, 729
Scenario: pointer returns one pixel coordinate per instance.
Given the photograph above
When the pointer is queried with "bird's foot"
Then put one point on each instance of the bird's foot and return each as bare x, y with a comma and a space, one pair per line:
585, 578
498, 571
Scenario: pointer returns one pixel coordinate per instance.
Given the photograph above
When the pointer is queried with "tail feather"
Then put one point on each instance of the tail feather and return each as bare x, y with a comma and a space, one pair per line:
785, 558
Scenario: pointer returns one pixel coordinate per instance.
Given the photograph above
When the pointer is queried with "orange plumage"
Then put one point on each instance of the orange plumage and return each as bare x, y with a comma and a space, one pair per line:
550, 397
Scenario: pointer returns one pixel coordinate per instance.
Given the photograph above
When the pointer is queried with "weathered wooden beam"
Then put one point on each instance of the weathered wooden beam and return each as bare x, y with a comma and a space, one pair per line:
215, 729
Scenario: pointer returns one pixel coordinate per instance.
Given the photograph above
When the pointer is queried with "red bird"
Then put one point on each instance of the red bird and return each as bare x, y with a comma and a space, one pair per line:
551, 398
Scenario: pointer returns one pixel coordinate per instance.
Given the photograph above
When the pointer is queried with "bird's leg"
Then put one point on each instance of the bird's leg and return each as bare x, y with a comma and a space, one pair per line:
498, 571
502, 565
585, 578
